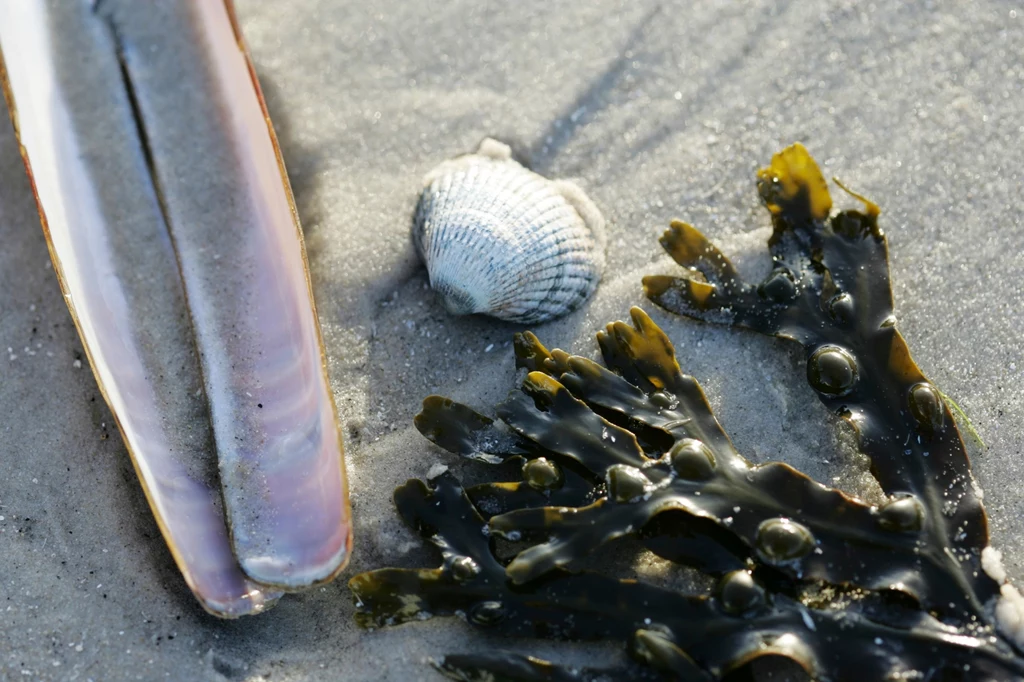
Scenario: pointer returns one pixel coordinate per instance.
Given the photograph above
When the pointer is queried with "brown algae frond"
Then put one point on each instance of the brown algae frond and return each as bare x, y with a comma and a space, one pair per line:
632, 448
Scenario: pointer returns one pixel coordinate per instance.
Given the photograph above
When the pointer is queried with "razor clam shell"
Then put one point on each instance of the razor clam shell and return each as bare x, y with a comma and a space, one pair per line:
116, 268
231, 215
502, 240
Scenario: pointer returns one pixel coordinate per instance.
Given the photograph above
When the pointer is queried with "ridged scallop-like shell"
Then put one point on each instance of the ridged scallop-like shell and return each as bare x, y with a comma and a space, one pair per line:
502, 240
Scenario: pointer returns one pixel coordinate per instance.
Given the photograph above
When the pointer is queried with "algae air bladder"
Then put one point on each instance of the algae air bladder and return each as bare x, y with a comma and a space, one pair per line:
173, 232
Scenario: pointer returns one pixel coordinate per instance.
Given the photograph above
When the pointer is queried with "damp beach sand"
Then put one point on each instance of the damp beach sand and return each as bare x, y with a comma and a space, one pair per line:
659, 112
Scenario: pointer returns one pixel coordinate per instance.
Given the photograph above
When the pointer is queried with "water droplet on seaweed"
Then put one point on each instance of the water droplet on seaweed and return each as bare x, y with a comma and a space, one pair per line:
832, 371
487, 613
841, 308
542, 474
739, 593
781, 540
663, 400
625, 483
904, 514
779, 286
464, 568
927, 408
692, 460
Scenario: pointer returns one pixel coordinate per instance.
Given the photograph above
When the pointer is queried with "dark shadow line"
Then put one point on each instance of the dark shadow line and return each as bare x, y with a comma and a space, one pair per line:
705, 95
589, 103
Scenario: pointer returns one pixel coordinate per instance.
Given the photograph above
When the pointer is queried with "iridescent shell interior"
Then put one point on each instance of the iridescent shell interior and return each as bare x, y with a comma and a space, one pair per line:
172, 230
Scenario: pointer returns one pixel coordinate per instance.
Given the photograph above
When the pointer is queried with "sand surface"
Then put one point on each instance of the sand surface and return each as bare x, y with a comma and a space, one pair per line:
658, 110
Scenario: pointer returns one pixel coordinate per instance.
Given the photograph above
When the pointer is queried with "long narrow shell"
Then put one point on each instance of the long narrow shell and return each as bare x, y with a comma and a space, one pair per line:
502, 240
112, 255
184, 99
239, 245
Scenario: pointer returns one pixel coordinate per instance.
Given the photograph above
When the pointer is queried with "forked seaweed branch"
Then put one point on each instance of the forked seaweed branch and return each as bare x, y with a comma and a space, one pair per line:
846, 590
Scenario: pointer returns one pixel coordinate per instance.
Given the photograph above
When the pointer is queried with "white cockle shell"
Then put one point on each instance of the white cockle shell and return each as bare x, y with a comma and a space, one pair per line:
502, 240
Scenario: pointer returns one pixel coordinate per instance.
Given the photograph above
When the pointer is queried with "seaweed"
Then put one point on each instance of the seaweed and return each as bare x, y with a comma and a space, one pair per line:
807, 575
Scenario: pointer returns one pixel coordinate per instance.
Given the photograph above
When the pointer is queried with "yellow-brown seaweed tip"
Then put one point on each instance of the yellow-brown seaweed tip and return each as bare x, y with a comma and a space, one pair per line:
793, 172
871, 209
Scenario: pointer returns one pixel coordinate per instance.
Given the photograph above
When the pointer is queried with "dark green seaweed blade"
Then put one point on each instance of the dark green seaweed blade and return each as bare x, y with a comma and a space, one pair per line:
746, 508
504, 666
467, 433
498, 498
830, 291
546, 413
470, 571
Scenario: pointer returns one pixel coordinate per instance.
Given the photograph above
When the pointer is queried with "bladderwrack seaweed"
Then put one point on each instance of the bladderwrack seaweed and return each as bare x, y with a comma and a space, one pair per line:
807, 575
830, 291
